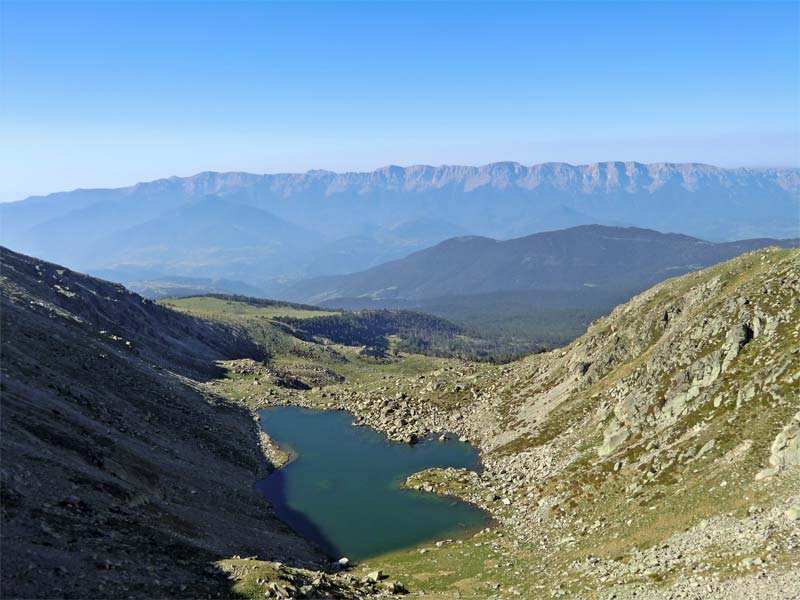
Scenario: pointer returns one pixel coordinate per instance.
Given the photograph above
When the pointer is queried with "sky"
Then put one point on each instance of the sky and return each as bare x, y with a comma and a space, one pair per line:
107, 94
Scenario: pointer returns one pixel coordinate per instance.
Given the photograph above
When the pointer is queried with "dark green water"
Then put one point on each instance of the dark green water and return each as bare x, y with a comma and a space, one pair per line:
343, 491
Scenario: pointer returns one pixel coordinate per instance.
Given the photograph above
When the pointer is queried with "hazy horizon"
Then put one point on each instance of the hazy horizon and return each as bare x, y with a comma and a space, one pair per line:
393, 164
108, 95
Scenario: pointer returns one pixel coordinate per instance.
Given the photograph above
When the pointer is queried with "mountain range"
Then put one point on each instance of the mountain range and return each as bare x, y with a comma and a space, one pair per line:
261, 228
578, 258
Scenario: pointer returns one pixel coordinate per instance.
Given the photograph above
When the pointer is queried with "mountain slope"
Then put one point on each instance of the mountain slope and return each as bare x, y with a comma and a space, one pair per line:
657, 456
499, 200
209, 237
659, 423
120, 477
375, 246
171, 287
571, 259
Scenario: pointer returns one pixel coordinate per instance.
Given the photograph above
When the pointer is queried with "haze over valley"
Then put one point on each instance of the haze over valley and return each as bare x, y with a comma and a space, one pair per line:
265, 229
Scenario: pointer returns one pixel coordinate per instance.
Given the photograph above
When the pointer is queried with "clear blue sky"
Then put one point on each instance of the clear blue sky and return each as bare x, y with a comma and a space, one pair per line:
106, 94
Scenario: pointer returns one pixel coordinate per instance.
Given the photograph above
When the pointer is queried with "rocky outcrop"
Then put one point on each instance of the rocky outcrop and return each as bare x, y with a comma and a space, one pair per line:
269, 579
785, 450
638, 409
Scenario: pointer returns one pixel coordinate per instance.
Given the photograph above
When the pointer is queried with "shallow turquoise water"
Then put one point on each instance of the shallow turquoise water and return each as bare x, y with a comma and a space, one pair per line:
342, 489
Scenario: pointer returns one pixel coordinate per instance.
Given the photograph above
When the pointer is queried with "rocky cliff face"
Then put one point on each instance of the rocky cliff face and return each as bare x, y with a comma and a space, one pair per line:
606, 176
119, 476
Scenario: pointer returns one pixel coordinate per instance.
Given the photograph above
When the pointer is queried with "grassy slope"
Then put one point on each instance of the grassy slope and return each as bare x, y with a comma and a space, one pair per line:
289, 352
393, 330
212, 307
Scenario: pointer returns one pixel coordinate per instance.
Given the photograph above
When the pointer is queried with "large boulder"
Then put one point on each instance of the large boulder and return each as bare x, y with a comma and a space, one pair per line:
785, 451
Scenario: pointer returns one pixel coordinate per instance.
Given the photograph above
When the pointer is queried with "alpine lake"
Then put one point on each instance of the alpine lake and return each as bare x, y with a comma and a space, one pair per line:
343, 485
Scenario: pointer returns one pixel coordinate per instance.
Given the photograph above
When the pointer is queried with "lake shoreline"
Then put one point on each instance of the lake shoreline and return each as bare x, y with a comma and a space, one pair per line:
346, 433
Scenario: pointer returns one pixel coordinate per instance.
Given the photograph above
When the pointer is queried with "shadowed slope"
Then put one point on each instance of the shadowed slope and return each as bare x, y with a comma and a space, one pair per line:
119, 476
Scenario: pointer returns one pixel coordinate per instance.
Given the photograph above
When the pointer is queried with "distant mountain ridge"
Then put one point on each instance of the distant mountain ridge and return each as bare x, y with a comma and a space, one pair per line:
630, 176
593, 256
352, 221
